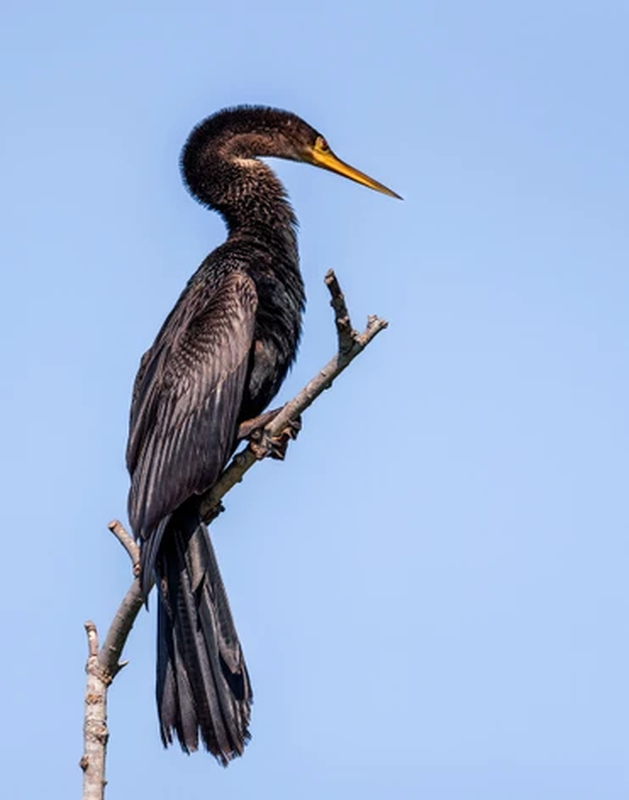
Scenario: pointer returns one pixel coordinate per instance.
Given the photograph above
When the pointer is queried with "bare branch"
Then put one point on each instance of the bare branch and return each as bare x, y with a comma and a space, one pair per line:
126, 540
108, 658
346, 334
95, 733
104, 664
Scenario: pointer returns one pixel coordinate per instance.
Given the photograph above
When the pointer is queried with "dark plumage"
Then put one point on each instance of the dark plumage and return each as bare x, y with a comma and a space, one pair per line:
218, 360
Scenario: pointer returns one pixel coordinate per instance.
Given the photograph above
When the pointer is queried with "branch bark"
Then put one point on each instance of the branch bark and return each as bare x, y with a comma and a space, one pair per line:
103, 663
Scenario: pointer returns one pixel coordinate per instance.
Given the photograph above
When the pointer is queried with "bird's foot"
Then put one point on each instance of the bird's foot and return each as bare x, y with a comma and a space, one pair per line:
247, 428
263, 445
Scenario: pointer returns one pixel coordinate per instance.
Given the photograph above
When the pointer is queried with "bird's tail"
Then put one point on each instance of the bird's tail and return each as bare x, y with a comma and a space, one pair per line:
202, 681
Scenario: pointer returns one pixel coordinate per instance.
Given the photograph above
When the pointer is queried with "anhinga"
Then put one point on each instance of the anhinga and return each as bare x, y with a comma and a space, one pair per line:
217, 361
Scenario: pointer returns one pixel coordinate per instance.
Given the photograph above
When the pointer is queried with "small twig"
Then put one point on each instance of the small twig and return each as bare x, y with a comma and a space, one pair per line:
346, 334
126, 540
104, 664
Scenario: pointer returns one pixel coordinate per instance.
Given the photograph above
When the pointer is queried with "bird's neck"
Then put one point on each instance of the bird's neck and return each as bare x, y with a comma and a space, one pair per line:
252, 201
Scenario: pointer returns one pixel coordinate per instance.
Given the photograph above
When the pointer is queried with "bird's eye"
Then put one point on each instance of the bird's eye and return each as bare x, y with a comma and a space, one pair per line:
322, 144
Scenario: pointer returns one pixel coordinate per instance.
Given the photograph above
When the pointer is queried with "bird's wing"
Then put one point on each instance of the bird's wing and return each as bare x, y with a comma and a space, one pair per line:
187, 396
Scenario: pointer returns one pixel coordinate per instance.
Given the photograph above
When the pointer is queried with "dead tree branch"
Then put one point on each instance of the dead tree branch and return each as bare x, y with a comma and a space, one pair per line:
103, 663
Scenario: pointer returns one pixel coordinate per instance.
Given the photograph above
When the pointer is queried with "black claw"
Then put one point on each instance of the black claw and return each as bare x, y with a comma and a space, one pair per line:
294, 427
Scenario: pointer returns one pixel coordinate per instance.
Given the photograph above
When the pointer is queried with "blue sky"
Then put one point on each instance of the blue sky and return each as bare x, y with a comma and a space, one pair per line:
431, 591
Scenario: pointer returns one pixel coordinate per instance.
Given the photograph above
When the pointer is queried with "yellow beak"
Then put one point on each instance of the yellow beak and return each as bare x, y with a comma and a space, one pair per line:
327, 160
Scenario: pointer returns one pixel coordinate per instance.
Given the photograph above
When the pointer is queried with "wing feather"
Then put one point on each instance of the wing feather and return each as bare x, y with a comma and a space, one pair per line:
187, 397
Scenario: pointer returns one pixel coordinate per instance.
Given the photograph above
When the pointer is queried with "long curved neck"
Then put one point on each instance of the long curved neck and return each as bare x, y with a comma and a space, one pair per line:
252, 200
225, 175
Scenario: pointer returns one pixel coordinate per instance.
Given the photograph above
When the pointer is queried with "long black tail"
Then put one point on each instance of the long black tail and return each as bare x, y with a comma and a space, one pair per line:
202, 681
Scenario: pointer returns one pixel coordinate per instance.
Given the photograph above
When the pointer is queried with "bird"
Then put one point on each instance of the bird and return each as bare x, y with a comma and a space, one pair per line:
216, 363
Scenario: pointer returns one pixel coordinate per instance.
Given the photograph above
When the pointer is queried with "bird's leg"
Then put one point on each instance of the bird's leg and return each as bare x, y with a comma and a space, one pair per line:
261, 443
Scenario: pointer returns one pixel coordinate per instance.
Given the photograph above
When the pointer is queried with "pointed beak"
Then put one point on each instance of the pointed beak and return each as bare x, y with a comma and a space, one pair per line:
327, 160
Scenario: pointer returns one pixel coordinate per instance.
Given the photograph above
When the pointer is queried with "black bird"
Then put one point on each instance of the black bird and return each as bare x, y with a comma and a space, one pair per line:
217, 362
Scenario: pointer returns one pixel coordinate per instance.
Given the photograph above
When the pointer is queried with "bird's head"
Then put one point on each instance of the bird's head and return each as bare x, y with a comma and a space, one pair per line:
244, 133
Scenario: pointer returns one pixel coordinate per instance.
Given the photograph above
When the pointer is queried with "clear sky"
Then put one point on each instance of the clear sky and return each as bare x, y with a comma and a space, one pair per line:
432, 590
